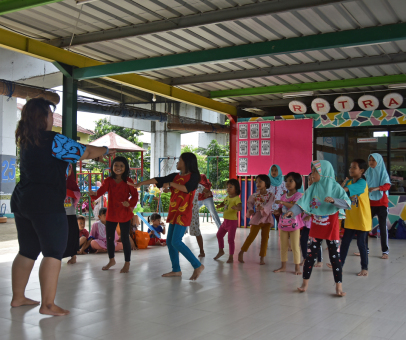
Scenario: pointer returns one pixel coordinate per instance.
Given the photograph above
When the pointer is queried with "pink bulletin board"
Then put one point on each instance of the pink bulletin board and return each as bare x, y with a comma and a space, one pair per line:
288, 143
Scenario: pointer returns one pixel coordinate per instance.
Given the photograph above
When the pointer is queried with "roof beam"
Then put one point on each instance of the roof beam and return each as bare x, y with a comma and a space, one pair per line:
201, 19
386, 59
364, 36
10, 6
316, 86
38, 49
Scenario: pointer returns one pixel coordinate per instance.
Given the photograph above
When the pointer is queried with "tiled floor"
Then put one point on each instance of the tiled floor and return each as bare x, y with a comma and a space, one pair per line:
227, 302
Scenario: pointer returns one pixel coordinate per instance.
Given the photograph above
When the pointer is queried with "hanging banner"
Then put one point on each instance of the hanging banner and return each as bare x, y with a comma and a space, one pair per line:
393, 100
368, 102
297, 107
344, 104
320, 106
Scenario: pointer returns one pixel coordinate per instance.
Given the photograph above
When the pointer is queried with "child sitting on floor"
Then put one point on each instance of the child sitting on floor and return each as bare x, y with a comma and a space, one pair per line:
155, 221
97, 241
83, 233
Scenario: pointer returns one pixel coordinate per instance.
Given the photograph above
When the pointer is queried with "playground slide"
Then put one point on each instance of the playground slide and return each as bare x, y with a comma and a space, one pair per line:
148, 225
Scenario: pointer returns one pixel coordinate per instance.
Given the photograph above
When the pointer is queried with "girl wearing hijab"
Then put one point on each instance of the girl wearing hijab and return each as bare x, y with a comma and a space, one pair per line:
322, 200
71, 201
277, 187
379, 183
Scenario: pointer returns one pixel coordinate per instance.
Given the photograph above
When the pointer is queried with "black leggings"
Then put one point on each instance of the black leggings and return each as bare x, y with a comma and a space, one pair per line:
382, 213
125, 238
334, 259
304, 244
46, 233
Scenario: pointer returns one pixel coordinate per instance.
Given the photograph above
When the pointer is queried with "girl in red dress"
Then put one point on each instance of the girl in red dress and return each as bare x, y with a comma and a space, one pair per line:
121, 202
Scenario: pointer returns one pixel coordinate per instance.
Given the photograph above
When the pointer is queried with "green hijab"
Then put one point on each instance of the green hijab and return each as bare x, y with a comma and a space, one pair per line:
312, 202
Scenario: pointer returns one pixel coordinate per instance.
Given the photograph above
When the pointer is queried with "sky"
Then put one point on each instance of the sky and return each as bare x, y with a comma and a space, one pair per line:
88, 120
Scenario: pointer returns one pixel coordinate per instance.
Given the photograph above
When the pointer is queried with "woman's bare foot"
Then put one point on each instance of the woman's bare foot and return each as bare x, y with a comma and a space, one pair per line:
197, 273
304, 286
329, 265
363, 272
111, 263
262, 260
81, 252
297, 270
202, 254
230, 259
163, 244
219, 254
17, 302
319, 264
339, 290
172, 274
357, 254
385, 256
100, 251
281, 269
126, 268
53, 309
241, 257
72, 260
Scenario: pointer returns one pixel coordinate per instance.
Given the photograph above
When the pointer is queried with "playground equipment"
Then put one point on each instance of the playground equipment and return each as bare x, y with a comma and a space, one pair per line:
3, 219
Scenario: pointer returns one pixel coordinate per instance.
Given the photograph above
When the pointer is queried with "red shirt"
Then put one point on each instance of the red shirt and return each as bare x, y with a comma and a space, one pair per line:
325, 227
181, 204
207, 185
384, 201
83, 232
118, 193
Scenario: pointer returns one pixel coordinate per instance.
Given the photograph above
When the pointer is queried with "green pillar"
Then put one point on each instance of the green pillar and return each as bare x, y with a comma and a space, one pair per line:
69, 108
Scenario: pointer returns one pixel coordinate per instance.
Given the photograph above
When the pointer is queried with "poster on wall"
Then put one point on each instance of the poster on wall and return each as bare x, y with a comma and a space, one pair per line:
265, 148
243, 149
243, 166
243, 131
254, 130
266, 130
254, 148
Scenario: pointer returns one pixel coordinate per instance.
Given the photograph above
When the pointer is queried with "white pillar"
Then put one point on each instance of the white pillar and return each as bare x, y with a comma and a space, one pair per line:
8, 122
164, 144
206, 138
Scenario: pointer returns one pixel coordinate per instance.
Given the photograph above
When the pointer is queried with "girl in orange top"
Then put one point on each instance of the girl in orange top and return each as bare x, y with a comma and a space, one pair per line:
182, 186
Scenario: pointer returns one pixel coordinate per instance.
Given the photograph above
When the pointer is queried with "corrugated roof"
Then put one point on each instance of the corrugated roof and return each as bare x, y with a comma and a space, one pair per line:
64, 18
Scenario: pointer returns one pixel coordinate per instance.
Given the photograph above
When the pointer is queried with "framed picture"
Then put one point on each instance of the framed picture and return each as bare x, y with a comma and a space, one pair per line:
243, 148
254, 131
254, 148
266, 130
243, 165
243, 131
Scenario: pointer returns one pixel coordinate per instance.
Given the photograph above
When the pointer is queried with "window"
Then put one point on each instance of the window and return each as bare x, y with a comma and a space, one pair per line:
362, 142
340, 146
330, 146
398, 161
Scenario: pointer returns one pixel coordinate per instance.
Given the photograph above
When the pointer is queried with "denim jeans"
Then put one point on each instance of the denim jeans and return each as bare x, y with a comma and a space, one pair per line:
361, 242
176, 246
209, 204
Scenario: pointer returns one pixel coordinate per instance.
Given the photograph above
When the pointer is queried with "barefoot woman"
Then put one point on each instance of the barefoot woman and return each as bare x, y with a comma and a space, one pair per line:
182, 186
322, 201
38, 201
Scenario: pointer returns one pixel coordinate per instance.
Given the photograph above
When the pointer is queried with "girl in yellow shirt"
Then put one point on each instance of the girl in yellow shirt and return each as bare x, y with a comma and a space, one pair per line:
358, 219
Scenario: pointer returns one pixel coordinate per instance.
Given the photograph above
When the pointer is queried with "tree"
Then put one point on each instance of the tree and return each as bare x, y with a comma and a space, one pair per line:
201, 159
103, 127
219, 172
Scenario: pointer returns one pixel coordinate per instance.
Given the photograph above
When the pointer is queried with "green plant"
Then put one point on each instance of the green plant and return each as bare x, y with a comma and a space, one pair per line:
147, 209
203, 210
165, 199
